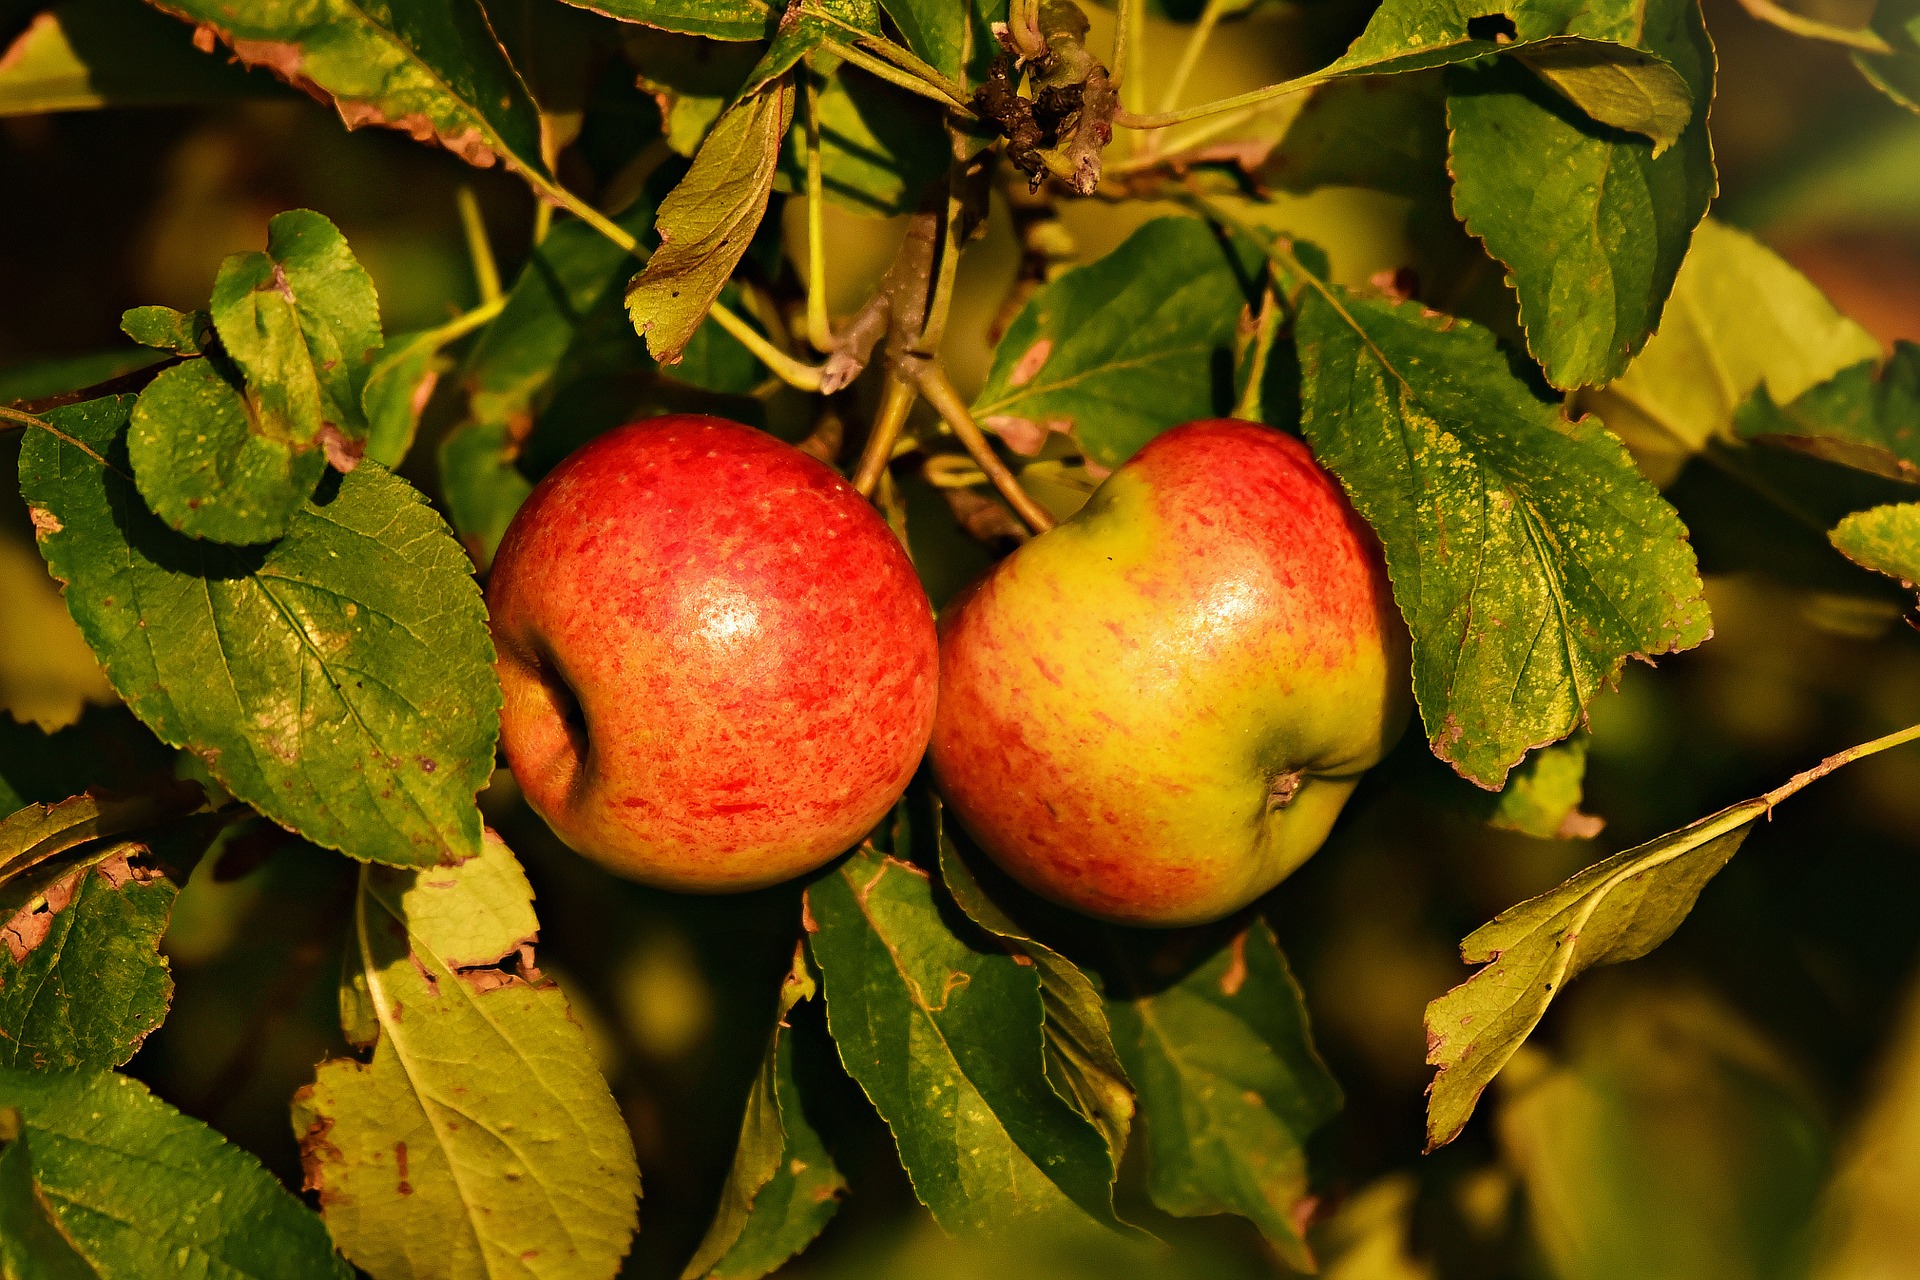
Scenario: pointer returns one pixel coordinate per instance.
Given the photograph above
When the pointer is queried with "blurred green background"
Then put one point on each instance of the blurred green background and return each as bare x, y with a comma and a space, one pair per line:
1744, 1103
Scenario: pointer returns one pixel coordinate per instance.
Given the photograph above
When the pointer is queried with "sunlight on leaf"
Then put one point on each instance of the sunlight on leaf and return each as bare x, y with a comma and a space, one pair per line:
784, 1186
944, 1033
480, 1140
1528, 556
137, 1189
340, 680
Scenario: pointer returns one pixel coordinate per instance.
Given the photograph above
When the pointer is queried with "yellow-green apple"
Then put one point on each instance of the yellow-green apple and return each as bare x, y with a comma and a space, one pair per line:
1154, 712
719, 668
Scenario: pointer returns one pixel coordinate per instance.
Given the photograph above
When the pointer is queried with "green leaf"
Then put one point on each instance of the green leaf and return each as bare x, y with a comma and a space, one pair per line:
1740, 310
784, 1186
45, 830
189, 333
708, 221
301, 321
692, 79
558, 52
397, 391
1384, 134
804, 27
1411, 35
1673, 1132
203, 468
1230, 1084
81, 979
431, 68
562, 317
563, 320
1621, 88
1529, 557
1081, 1061
880, 146
1592, 224
1896, 73
339, 680
719, 19
1618, 909
83, 54
230, 452
139, 1190
482, 486
480, 1136
1120, 350
943, 1033
715, 360
1863, 417
31, 1243
1542, 796
946, 33
1883, 539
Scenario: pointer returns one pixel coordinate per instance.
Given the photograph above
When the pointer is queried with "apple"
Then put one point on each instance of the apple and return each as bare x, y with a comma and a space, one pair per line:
1154, 712
718, 667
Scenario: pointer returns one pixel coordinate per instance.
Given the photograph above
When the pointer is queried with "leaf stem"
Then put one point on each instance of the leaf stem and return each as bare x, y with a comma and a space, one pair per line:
1839, 758
1865, 39
895, 404
789, 370
467, 321
486, 272
1161, 120
1190, 55
20, 419
1267, 327
927, 83
1173, 152
938, 389
819, 324
1129, 20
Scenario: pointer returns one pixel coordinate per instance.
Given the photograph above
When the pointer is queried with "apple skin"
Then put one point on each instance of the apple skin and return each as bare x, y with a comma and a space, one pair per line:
1124, 700
718, 665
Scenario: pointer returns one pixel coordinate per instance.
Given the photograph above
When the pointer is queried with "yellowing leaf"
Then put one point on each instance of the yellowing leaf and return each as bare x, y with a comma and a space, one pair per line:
1884, 539
480, 1141
1739, 317
708, 221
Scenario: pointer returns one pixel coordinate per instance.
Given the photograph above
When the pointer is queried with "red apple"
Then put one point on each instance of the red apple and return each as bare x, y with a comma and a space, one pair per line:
1154, 712
719, 668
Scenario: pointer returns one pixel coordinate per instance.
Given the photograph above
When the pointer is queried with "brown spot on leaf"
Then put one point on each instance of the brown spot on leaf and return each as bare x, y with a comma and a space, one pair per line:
317, 1151
400, 1167
1031, 362
118, 872
286, 60
423, 392
45, 523
1023, 435
807, 921
30, 925
344, 454
426, 975
1236, 975
1580, 826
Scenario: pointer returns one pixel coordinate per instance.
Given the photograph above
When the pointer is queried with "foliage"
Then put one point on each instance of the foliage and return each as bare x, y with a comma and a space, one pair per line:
963, 254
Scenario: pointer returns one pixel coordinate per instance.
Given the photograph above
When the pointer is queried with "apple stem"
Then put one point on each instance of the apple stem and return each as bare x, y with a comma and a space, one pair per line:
1266, 328
896, 402
938, 389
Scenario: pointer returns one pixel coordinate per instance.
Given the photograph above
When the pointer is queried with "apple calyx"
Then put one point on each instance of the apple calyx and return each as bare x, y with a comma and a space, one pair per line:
1281, 790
